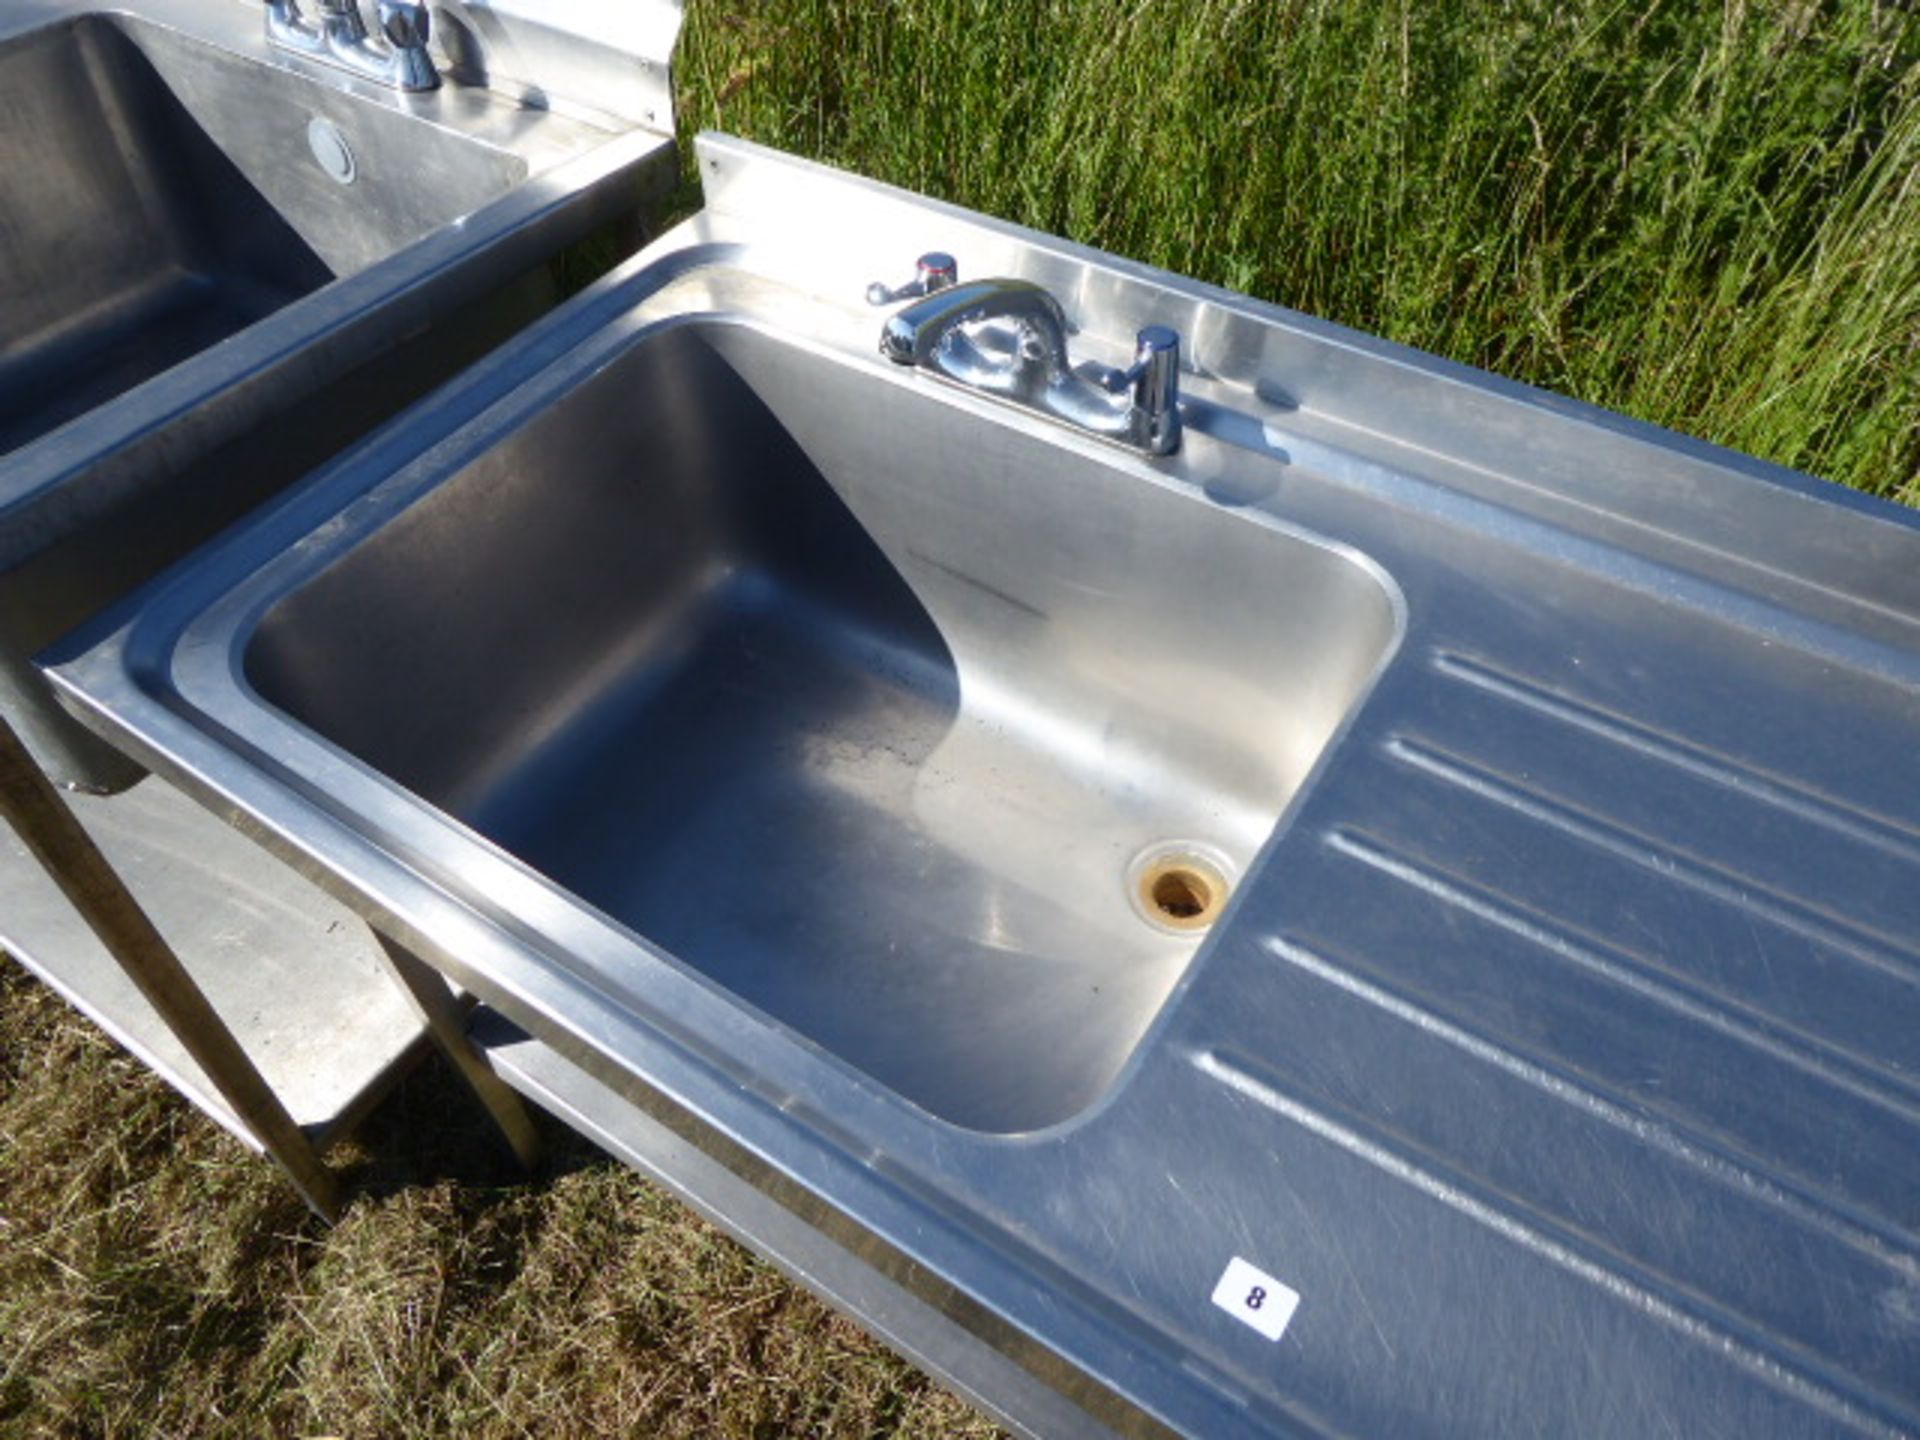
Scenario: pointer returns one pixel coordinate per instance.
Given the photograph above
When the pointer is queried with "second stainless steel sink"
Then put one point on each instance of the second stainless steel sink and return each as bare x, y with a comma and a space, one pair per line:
220, 264
887, 722
162, 194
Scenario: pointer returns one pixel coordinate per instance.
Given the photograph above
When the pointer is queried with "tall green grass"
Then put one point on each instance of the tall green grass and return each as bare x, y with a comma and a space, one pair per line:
1706, 216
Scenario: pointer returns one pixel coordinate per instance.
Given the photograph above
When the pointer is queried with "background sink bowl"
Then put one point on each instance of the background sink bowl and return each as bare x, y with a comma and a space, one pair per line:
161, 194
860, 706
217, 270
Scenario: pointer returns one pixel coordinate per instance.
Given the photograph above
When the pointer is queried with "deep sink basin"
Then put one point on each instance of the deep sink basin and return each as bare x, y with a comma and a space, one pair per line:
221, 265
160, 195
858, 706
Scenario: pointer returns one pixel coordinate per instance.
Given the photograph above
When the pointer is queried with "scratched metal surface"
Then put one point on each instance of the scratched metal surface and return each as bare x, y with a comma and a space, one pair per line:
1559, 1050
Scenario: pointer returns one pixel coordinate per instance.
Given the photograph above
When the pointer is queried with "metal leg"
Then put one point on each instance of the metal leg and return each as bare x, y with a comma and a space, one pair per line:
446, 1021
29, 802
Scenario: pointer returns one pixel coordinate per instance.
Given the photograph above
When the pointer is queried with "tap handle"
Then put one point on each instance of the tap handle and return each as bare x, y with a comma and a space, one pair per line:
1154, 376
1156, 364
936, 270
1154, 379
407, 24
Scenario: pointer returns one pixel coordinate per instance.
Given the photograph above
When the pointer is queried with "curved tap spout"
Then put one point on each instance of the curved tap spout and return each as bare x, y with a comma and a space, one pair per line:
919, 332
1009, 338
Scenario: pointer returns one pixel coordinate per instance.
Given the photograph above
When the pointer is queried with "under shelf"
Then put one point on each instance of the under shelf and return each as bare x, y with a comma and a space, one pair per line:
298, 978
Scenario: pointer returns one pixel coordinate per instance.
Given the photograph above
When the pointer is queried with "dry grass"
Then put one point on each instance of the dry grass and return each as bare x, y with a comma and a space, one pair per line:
156, 1279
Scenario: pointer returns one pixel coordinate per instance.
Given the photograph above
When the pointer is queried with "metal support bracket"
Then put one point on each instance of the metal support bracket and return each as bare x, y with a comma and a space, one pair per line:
46, 825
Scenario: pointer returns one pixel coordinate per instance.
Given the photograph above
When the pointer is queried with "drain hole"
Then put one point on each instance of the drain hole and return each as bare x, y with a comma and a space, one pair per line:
1179, 887
1181, 895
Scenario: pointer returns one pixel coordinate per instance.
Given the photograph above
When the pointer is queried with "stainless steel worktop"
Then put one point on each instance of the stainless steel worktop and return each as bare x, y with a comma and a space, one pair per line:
1557, 1049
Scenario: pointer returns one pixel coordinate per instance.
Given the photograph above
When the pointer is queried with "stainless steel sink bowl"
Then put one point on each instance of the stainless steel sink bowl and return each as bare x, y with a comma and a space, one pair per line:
162, 194
220, 265
861, 712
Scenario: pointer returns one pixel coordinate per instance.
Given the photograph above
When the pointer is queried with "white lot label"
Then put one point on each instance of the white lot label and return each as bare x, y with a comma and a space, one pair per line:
1255, 1298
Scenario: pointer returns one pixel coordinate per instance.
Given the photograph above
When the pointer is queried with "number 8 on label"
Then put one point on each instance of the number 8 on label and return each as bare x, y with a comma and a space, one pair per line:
1255, 1298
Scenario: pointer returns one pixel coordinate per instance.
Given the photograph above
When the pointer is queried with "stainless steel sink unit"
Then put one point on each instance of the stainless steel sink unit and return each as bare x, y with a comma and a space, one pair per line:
136, 237
221, 263
1400, 916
